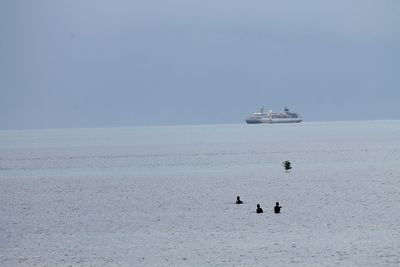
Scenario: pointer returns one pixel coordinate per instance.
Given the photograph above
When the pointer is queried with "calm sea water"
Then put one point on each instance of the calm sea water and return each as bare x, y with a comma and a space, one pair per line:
179, 148
163, 195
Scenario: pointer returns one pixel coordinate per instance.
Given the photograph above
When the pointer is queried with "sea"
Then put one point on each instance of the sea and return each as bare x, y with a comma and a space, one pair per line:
165, 195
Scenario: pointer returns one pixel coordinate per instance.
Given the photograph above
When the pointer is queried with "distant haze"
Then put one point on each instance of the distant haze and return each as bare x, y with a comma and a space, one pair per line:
153, 62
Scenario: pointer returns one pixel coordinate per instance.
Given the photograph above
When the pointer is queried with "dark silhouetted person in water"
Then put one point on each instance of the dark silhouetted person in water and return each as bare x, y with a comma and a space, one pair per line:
259, 210
238, 201
277, 208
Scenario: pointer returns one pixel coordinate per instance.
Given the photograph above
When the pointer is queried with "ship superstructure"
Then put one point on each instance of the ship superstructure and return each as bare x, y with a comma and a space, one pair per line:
274, 117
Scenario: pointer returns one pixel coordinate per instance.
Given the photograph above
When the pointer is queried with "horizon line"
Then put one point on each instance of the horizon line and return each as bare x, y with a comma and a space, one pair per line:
188, 125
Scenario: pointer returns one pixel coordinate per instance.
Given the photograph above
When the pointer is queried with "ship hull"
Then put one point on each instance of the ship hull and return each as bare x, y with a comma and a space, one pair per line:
271, 121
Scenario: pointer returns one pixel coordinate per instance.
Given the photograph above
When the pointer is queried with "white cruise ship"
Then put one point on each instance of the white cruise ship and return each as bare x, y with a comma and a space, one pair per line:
274, 117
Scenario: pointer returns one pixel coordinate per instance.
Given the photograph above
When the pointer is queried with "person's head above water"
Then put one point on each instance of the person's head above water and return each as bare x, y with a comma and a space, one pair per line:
258, 205
238, 197
277, 203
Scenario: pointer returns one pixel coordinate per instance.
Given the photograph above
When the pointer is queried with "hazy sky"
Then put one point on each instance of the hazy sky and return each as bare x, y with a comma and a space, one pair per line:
93, 63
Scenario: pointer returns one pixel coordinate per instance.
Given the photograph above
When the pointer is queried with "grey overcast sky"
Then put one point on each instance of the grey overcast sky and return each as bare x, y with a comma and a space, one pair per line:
95, 63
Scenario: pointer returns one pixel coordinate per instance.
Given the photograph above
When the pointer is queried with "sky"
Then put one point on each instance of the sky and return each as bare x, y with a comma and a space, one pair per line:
96, 63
